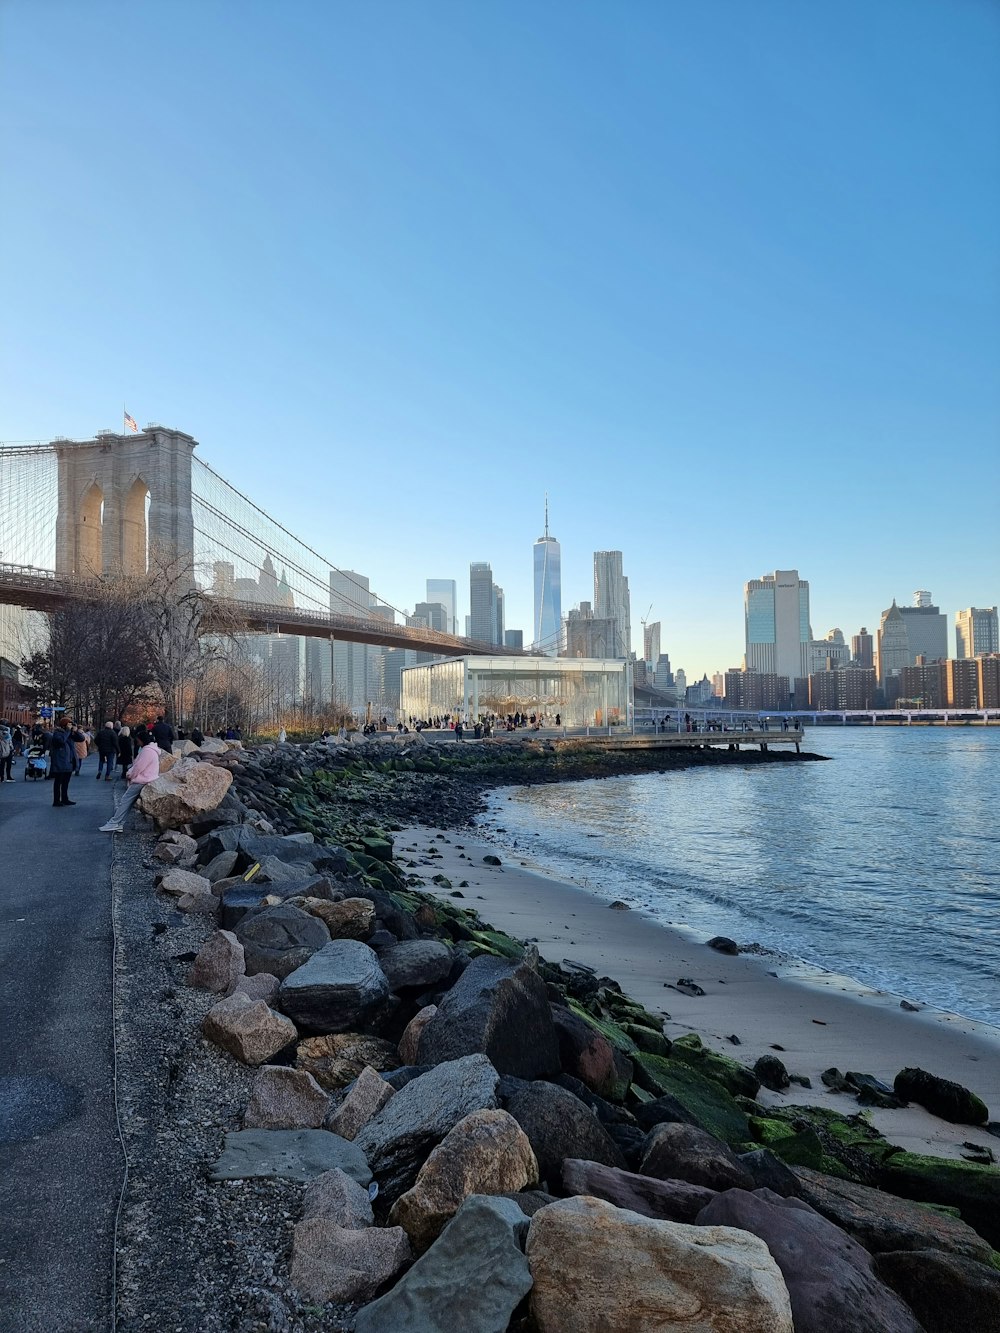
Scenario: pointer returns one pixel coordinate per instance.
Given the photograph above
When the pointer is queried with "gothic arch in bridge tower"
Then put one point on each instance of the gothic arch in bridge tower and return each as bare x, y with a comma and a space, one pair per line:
122, 498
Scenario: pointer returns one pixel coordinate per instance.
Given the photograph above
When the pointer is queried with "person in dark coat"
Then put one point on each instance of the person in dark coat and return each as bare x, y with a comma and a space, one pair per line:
62, 759
126, 750
107, 751
163, 733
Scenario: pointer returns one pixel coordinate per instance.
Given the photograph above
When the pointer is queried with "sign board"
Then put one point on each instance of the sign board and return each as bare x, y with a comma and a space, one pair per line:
45, 712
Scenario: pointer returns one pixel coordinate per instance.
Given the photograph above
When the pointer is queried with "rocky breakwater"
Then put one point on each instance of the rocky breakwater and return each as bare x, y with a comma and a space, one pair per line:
484, 1140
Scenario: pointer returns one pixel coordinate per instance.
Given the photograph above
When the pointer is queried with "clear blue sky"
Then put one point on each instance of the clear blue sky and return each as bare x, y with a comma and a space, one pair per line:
721, 277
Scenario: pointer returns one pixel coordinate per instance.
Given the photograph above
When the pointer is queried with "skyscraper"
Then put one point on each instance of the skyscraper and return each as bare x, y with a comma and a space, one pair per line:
445, 591
482, 603
349, 596
612, 601
893, 644
651, 643
547, 628
778, 634
926, 628
862, 648
977, 632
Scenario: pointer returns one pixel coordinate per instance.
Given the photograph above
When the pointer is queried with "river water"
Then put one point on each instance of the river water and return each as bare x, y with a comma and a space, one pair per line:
883, 864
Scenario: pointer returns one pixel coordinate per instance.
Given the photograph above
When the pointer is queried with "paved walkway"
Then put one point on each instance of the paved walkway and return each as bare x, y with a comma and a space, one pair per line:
60, 1166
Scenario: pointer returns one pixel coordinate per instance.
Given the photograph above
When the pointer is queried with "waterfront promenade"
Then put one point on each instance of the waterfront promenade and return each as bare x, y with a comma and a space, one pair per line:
60, 1167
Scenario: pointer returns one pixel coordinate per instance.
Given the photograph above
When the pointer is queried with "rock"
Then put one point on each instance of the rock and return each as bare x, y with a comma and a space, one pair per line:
338, 1058
584, 1052
288, 1154
882, 1222
708, 1103
415, 964
212, 745
595, 1267
261, 986
279, 939
349, 919
178, 882
830, 1282
340, 989
410, 1040
734, 1077
491, 860
974, 1190
332, 1263
205, 903
366, 1097
661, 1111
182, 748
220, 867
471, 1280
188, 790
284, 1098
770, 1172
398, 1139
487, 1152
669, 1200
558, 1125
219, 965
247, 1029
941, 1097
335, 1196
500, 1009
772, 1073
619, 906
180, 850
683, 1152
945, 1291
275, 870
723, 944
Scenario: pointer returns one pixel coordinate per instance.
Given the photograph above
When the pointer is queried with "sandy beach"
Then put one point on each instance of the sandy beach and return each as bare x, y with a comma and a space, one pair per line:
813, 1022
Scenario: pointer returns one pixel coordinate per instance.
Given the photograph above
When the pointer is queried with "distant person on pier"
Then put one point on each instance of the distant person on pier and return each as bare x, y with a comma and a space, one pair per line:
145, 768
107, 751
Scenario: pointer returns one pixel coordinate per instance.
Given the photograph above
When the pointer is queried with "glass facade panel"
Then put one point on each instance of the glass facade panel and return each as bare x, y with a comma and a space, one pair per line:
584, 692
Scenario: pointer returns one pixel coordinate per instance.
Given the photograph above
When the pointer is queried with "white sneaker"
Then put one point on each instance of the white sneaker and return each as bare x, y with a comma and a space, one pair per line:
111, 828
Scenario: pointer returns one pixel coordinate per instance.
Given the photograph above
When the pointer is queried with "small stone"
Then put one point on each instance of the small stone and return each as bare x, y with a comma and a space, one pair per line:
491, 860
619, 906
248, 1029
219, 965
338, 1198
772, 1073
205, 903
364, 1099
261, 986
723, 944
331, 1263
178, 882
689, 987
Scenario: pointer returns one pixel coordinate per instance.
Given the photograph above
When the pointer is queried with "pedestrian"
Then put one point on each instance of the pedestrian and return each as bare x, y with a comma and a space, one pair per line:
163, 733
62, 759
107, 751
145, 768
6, 753
81, 748
126, 749
282, 735
197, 736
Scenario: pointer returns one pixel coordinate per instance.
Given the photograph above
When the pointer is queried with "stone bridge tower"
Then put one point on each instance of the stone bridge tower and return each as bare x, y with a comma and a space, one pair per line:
122, 500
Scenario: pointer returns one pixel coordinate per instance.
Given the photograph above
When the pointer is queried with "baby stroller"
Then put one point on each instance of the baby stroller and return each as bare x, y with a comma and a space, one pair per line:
35, 763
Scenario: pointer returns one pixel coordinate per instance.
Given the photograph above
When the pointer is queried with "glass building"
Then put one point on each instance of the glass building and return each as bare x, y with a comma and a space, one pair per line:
585, 692
547, 628
778, 632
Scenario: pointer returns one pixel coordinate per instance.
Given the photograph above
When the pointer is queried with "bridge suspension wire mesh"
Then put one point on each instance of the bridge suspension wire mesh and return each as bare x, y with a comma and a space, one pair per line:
29, 503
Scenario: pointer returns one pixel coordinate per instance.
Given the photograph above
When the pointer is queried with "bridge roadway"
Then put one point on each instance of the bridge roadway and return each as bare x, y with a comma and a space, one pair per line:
44, 590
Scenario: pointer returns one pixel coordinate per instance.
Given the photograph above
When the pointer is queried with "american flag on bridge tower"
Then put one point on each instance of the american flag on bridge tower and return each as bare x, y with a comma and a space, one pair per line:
130, 423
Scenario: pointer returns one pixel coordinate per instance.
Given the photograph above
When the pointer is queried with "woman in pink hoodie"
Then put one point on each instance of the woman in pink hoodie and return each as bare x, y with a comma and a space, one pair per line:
145, 767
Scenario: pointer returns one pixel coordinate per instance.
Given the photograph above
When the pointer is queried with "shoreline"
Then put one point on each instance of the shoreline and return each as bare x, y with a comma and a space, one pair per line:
813, 1020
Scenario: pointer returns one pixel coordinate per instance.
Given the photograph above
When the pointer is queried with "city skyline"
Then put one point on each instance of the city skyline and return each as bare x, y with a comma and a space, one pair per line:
715, 277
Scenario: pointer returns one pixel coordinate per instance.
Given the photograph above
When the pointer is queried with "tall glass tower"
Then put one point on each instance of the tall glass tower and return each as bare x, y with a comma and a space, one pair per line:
547, 628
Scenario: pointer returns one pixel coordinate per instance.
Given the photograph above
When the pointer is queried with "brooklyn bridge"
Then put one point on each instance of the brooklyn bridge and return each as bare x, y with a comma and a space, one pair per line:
76, 512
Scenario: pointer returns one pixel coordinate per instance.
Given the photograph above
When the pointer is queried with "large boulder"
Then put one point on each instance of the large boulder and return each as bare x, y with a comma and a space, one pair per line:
584, 1052
487, 1152
706, 1101
187, 791
669, 1200
284, 1098
338, 1058
880, 1221
397, 1141
279, 939
945, 1291
340, 989
974, 1190
500, 1009
558, 1125
348, 919
683, 1152
830, 1282
334, 1263
950, 1101
288, 1154
177, 882
595, 1266
471, 1280
409, 1042
248, 1029
415, 964
340, 1199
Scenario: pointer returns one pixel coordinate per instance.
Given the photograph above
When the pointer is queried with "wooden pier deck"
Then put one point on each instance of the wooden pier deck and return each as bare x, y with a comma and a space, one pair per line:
684, 740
